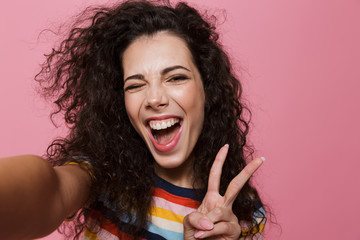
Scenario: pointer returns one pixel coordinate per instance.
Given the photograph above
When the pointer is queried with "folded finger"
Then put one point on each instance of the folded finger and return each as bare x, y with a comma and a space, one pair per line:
239, 181
219, 214
229, 230
197, 220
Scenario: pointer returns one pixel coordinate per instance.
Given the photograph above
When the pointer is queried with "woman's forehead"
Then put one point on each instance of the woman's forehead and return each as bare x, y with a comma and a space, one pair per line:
156, 52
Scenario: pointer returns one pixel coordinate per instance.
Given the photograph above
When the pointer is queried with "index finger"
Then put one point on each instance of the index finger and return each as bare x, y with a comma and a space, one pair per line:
239, 181
216, 169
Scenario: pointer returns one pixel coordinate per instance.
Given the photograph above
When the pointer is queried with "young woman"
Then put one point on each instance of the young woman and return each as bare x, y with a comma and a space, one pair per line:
157, 144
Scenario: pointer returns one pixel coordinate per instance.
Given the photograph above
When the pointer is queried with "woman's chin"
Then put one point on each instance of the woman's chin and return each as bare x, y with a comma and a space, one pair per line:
169, 162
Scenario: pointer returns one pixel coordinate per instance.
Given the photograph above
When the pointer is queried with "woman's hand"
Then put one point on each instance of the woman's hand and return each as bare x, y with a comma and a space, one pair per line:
214, 218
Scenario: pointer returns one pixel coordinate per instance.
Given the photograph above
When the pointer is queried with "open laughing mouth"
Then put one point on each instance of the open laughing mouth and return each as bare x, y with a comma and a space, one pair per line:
164, 133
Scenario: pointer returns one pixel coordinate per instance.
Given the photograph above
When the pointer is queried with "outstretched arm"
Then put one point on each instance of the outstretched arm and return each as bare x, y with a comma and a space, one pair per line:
35, 198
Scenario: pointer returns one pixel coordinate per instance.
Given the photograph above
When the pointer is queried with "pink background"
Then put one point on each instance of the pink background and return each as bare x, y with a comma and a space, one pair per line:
302, 78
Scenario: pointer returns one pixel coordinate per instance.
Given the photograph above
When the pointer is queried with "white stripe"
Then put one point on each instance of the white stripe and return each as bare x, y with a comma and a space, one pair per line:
174, 207
105, 235
167, 224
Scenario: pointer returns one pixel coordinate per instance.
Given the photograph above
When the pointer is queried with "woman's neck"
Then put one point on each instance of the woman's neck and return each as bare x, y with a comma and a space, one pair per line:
181, 176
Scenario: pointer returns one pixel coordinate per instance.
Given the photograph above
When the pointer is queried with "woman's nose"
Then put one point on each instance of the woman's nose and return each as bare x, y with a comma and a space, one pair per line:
156, 97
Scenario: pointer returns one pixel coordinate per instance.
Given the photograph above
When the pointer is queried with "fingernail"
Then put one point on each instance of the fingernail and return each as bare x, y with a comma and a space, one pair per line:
226, 145
262, 158
206, 224
199, 234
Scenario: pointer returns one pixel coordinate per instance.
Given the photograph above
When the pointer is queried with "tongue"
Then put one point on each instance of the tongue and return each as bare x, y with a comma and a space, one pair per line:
165, 136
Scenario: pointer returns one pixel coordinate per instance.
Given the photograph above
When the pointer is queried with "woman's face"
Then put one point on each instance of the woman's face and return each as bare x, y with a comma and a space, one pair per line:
164, 96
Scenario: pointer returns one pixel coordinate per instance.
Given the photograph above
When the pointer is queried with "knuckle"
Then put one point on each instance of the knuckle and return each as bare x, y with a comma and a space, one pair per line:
236, 219
227, 227
237, 183
190, 218
237, 228
247, 171
218, 212
213, 173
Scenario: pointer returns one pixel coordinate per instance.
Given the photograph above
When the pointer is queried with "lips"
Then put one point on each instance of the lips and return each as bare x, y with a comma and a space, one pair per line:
164, 131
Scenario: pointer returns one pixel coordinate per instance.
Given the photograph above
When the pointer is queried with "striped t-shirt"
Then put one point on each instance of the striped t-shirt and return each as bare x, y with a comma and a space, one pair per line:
169, 206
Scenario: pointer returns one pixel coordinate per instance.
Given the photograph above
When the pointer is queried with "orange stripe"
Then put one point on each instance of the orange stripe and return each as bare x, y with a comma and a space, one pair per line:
187, 202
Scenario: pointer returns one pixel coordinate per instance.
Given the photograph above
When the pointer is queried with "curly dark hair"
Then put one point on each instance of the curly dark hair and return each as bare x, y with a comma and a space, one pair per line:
83, 76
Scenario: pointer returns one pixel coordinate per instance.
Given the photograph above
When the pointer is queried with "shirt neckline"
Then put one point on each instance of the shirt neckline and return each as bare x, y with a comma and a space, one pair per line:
178, 191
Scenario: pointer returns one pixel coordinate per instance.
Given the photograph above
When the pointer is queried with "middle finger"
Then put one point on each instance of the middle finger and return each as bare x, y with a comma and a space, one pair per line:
239, 181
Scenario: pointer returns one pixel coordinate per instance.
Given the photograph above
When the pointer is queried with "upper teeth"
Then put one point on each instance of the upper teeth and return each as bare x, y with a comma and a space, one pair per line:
163, 124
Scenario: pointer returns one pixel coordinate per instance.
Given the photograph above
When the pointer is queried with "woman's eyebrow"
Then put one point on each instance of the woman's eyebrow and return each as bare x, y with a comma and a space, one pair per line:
136, 76
169, 69
163, 72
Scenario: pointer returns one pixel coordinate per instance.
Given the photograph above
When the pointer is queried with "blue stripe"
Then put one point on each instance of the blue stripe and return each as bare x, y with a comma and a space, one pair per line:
259, 213
166, 234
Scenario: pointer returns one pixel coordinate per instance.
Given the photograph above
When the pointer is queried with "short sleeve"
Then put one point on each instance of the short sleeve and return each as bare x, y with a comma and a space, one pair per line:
83, 163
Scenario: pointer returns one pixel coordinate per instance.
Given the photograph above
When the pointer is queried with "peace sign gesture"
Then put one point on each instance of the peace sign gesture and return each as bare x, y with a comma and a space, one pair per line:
215, 218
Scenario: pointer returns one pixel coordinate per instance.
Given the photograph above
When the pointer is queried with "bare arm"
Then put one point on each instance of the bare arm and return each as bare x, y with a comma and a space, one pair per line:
35, 198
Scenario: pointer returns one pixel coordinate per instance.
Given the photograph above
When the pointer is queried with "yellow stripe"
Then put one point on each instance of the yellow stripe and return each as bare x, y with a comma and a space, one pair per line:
85, 166
166, 214
249, 232
90, 235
